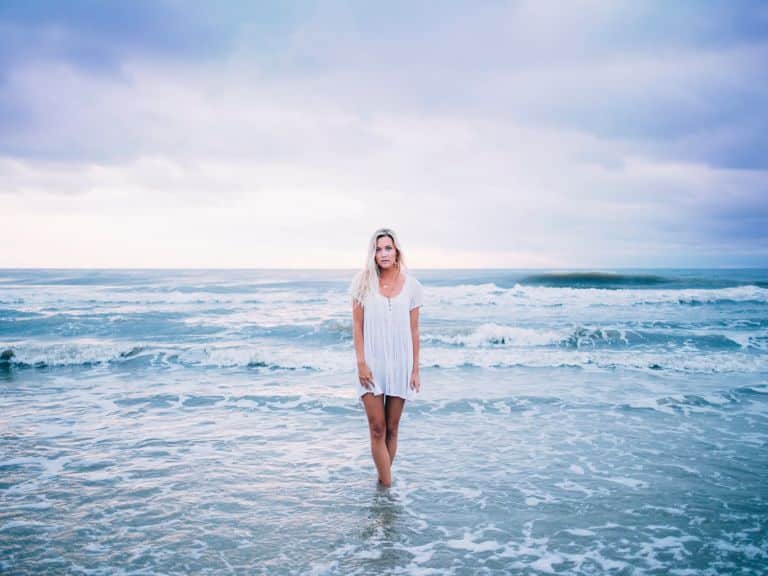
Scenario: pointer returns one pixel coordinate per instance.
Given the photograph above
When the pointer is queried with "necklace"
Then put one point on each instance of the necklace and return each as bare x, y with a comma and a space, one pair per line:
386, 286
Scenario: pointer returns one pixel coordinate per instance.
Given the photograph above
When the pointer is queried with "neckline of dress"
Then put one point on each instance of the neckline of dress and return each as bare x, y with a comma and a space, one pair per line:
402, 289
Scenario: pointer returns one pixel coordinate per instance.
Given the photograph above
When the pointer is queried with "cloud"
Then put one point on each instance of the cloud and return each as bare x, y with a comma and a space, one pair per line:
502, 136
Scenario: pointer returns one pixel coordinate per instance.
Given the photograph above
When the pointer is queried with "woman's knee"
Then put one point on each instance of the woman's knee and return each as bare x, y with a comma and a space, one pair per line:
378, 429
392, 430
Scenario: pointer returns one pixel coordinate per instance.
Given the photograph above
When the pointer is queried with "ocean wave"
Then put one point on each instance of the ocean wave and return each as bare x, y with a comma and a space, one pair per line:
593, 279
583, 337
85, 354
492, 334
713, 401
496, 335
339, 358
53, 299
83, 313
531, 296
339, 404
683, 360
90, 324
329, 331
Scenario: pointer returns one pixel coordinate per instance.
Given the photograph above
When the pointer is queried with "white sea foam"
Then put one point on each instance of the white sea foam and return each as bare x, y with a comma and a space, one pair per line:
340, 358
469, 542
492, 334
575, 487
490, 294
629, 482
546, 563
580, 532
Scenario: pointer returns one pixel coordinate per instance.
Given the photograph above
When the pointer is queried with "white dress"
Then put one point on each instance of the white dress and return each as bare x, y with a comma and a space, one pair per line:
388, 346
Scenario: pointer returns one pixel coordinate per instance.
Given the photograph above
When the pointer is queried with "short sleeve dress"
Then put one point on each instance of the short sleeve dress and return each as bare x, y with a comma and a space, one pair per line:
388, 346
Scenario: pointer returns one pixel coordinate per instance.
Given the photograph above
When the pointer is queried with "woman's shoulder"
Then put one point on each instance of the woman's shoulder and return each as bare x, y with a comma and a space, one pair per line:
415, 292
355, 284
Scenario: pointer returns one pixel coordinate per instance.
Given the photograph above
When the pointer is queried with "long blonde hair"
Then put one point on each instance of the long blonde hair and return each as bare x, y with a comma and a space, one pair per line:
368, 277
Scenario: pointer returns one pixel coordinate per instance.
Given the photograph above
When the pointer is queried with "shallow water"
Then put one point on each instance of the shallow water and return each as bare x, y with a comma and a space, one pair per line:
181, 423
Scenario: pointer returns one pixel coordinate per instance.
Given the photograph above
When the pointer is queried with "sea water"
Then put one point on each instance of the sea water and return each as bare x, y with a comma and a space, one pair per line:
192, 421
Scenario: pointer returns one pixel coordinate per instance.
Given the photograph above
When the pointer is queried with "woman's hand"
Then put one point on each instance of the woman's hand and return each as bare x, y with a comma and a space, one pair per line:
415, 382
365, 375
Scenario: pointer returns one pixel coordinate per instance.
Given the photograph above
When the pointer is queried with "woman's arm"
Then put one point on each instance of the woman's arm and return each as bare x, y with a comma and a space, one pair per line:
415, 382
363, 371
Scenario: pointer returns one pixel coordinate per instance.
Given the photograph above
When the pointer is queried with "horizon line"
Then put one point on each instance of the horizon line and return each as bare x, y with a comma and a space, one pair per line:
289, 269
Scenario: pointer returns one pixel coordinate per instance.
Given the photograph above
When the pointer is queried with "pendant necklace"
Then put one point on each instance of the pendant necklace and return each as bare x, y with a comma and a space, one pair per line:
389, 298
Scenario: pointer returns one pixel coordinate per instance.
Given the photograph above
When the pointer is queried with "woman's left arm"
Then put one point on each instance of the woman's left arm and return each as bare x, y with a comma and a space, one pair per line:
415, 383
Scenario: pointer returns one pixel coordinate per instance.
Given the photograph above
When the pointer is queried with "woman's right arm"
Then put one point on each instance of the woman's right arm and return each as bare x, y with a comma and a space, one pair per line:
363, 371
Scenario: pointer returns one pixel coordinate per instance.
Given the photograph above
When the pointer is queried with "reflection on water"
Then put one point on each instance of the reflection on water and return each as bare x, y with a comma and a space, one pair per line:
382, 531
382, 514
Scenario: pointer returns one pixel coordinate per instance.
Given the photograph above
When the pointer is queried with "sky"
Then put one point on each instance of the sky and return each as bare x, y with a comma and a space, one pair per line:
583, 134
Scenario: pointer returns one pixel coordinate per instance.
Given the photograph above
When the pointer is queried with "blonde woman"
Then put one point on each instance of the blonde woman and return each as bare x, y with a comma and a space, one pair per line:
385, 315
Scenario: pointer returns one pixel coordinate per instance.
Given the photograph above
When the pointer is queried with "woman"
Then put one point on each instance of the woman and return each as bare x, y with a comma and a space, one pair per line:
385, 314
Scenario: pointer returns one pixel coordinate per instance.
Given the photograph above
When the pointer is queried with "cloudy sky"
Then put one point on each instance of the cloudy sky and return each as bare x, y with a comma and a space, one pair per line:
488, 134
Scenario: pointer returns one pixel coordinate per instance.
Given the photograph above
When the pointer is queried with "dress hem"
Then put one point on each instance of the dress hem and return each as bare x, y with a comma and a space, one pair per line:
360, 396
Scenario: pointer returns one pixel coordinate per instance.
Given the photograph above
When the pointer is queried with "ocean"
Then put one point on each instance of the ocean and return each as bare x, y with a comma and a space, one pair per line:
206, 421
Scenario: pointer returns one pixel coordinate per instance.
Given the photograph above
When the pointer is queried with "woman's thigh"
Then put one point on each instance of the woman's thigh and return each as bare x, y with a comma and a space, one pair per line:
393, 410
374, 409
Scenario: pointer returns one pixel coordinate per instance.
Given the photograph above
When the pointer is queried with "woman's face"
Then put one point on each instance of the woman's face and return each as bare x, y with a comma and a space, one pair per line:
386, 255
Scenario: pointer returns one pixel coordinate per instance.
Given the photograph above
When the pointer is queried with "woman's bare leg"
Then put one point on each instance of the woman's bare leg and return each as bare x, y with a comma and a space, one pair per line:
393, 409
377, 424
